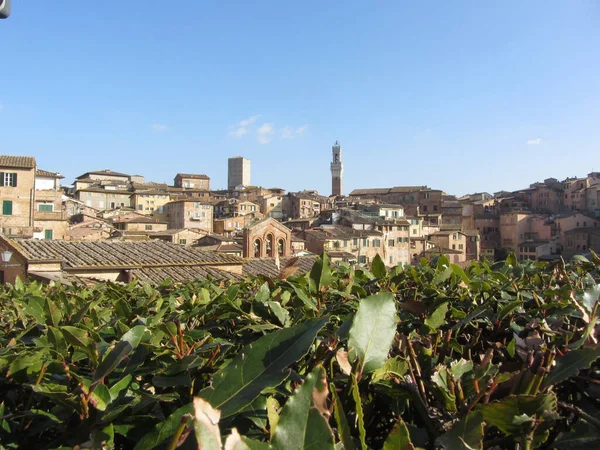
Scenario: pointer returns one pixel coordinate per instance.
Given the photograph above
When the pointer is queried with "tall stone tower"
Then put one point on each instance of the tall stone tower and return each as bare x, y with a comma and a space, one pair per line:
238, 173
337, 169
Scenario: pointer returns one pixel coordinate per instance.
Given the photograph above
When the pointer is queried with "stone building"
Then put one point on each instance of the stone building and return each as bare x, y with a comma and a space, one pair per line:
49, 216
17, 191
31, 200
190, 213
267, 238
192, 181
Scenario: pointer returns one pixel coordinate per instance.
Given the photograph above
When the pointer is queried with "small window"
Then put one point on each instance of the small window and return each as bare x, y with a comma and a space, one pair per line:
48, 234
45, 207
8, 179
148, 227
460, 246
182, 241
7, 208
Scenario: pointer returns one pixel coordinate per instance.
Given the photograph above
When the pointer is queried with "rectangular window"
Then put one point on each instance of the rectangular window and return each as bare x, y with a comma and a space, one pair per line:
8, 179
362, 259
376, 243
148, 227
140, 207
391, 243
7, 208
345, 243
460, 246
355, 242
182, 241
365, 242
45, 207
48, 234
453, 246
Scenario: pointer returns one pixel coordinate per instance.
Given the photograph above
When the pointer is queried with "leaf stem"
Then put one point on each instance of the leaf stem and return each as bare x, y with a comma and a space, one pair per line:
182, 426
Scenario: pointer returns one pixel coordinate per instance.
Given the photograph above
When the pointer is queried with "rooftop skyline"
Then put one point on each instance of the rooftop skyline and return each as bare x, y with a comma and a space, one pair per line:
462, 97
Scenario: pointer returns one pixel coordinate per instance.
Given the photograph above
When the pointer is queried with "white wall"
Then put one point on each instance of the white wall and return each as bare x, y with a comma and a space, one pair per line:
44, 183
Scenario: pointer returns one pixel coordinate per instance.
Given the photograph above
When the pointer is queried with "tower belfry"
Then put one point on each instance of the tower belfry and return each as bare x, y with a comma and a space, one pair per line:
337, 169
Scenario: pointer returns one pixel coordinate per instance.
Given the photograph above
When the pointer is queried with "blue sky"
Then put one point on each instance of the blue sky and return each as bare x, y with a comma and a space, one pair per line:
461, 96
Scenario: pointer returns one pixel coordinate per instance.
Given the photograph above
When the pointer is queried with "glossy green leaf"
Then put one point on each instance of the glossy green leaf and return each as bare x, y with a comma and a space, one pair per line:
57, 341
438, 317
260, 365
320, 274
272, 414
501, 413
302, 423
373, 330
164, 430
378, 267
466, 434
442, 275
76, 336
343, 428
122, 350
399, 438
569, 364
360, 417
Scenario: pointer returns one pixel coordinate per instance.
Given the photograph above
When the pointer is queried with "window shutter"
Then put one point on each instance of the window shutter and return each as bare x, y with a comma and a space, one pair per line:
1, 178
7, 207
14, 180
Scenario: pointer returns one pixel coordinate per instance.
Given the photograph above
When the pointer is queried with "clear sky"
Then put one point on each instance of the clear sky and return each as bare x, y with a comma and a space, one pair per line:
462, 96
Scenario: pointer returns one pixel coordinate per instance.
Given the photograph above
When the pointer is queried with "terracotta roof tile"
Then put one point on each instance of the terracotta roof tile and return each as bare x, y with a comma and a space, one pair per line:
198, 176
26, 162
119, 253
45, 173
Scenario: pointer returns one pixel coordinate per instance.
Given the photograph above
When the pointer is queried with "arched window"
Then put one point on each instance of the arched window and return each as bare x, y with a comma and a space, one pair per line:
257, 248
269, 245
281, 247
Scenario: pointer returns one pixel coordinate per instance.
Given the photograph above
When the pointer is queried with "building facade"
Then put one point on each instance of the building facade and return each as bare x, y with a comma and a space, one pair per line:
192, 181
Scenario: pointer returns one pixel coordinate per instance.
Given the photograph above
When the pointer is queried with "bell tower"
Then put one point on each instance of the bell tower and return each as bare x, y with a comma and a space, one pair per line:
337, 169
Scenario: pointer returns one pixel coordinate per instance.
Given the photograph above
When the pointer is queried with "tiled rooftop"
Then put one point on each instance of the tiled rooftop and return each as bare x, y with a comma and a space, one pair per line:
45, 173
25, 162
336, 232
199, 176
119, 253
